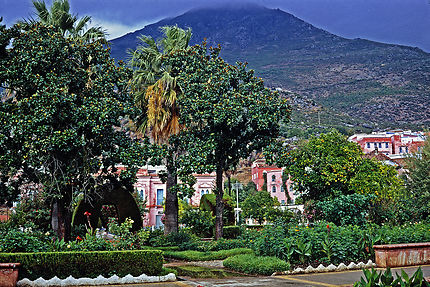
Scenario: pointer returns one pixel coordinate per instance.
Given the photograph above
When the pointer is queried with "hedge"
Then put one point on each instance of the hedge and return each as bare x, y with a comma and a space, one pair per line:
86, 264
251, 264
191, 255
231, 232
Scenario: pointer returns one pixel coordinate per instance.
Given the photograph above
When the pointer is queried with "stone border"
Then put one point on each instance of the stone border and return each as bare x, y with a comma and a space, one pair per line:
330, 268
100, 280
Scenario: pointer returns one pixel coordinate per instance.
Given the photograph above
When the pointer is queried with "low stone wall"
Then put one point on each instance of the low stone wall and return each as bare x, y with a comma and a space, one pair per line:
396, 255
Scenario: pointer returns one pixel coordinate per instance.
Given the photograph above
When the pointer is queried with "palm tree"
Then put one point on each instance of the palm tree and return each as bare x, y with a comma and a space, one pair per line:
58, 15
156, 93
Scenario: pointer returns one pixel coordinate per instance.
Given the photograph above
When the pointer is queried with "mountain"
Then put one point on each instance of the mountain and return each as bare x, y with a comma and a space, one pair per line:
380, 84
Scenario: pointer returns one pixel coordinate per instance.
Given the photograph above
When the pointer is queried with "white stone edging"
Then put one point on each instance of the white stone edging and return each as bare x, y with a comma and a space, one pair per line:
100, 280
330, 268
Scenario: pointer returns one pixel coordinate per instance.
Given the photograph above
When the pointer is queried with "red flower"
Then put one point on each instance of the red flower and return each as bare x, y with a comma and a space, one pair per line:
328, 226
86, 213
78, 238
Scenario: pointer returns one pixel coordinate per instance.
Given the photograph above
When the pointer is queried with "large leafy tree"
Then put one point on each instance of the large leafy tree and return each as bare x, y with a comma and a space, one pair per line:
227, 111
59, 16
61, 128
418, 180
156, 93
329, 165
259, 206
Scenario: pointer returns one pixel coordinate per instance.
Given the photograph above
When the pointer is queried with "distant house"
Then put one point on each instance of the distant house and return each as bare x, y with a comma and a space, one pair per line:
151, 189
394, 144
275, 186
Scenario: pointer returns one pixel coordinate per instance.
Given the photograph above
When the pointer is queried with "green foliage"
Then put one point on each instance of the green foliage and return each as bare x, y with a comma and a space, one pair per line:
227, 111
231, 232
386, 279
61, 123
329, 165
418, 181
192, 255
259, 206
344, 209
304, 250
34, 209
251, 264
199, 221
249, 189
25, 240
201, 272
86, 264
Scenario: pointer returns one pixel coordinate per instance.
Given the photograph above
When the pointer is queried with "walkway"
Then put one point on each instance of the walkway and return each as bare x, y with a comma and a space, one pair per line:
331, 279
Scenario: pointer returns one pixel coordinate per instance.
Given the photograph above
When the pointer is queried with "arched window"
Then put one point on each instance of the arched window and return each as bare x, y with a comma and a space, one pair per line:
274, 188
273, 178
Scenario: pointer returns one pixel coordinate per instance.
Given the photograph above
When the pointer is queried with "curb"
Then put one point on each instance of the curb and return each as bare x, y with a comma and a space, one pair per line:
330, 268
100, 280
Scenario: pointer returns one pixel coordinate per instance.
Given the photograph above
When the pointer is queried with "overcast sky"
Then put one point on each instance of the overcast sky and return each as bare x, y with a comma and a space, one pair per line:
392, 21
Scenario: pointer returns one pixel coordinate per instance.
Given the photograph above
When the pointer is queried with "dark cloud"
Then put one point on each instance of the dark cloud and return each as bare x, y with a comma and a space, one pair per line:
393, 21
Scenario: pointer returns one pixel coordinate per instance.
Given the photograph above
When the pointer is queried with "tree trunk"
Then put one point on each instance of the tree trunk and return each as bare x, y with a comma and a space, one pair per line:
61, 219
171, 204
219, 208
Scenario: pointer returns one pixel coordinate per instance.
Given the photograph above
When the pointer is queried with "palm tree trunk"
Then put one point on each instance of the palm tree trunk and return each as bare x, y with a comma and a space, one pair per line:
171, 204
219, 207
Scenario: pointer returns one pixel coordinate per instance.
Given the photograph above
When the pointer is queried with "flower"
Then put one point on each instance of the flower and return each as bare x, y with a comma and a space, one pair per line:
86, 213
328, 226
47, 233
78, 238
68, 246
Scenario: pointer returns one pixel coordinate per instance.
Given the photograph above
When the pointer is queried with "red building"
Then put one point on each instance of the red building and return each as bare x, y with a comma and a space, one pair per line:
390, 143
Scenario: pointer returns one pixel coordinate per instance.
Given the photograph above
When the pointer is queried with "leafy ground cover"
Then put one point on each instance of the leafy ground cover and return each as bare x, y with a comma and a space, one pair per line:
202, 272
192, 255
251, 264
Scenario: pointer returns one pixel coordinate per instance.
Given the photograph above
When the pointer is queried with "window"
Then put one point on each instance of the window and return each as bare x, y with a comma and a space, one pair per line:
400, 150
407, 149
273, 178
282, 202
380, 145
368, 145
375, 145
386, 145
274, 188
160, 196
141, 195
282, 189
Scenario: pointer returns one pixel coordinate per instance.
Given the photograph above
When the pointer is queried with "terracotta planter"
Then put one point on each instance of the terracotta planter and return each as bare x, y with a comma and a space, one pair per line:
8, 274
395, 255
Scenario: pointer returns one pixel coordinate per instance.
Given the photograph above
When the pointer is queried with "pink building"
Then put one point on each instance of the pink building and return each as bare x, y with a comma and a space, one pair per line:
275, 186
153, 191
390, 143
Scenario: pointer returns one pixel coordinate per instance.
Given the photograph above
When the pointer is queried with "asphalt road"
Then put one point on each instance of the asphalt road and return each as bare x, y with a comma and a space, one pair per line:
330, 279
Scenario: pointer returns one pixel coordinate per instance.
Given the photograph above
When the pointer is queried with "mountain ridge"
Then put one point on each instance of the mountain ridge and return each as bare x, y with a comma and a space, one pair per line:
380, 83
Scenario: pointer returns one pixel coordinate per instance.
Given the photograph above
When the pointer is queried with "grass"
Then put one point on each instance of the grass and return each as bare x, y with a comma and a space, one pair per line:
192, 255
251, 264
202, 272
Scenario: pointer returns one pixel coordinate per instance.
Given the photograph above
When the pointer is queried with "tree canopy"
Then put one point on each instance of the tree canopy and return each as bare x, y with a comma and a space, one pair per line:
330, 165
61, 118
227, 111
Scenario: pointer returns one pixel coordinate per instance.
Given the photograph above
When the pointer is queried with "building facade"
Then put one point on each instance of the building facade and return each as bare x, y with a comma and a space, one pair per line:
153, 191
283, 191
392, 143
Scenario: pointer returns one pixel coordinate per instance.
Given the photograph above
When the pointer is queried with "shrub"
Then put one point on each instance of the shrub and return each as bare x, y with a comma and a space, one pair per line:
192, 255
231, 232
251, 264
86, 264
200, 222
386, 279
25, 240
345, 209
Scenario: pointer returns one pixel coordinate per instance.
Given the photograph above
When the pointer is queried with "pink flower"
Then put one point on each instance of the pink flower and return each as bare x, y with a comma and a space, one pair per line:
86, 213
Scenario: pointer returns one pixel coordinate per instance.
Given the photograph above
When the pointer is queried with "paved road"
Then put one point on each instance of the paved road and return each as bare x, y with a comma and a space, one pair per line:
331, 279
